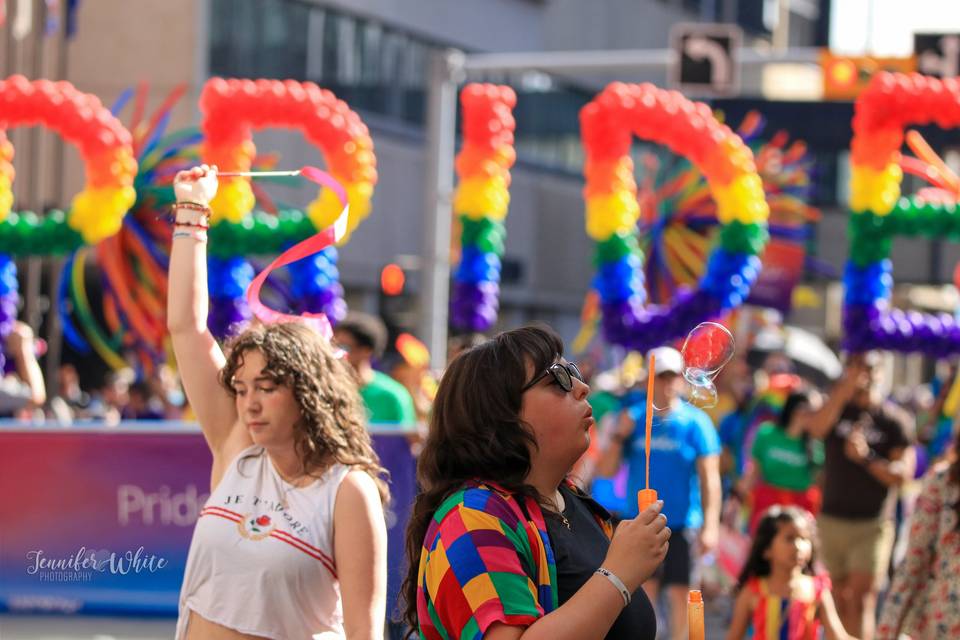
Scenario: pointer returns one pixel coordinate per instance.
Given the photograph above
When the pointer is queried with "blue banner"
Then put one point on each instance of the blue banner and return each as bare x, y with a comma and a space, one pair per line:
99, 520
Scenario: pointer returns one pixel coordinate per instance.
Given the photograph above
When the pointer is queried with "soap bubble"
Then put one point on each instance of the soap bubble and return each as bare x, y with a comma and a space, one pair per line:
708, 347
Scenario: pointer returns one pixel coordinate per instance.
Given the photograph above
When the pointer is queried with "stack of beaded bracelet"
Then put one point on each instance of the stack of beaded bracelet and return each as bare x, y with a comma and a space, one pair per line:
198, 225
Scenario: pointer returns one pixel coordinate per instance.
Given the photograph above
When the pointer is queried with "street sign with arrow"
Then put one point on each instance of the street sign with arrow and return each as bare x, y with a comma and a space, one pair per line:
706, 58
938, 54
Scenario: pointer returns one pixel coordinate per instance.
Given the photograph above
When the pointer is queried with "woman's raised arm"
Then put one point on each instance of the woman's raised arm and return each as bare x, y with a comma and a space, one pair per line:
199, 357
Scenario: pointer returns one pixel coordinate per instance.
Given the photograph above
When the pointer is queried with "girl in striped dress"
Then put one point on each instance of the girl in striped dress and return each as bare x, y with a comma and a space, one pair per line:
781, 597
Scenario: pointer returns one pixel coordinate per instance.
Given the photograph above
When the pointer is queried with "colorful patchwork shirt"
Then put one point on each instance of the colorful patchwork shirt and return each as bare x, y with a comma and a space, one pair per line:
486, 558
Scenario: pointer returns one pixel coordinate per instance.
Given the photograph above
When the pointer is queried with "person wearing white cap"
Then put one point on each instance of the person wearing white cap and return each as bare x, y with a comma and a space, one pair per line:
684, 470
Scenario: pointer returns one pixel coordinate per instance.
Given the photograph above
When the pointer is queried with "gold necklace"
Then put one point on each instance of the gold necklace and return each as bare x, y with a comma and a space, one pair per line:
291, 484
557, 500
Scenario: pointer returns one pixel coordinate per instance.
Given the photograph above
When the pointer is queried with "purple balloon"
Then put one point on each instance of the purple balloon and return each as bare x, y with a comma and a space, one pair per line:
474, 305
227, 317
8, 313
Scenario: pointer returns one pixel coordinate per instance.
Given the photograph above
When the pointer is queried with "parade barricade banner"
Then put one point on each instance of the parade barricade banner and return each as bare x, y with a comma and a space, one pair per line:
99, 520
782, 270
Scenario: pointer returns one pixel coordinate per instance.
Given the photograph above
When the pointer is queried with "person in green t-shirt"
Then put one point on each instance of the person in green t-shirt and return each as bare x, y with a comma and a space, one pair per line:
388, 403
785, 460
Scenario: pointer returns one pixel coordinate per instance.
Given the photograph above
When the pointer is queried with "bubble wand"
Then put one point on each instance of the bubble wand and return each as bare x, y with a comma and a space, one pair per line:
646, 497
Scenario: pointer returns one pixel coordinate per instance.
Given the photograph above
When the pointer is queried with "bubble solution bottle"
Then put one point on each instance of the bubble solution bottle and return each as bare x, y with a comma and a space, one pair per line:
695, 615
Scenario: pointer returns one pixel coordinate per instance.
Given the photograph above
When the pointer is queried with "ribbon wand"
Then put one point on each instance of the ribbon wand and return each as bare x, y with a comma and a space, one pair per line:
317, 242
260, 174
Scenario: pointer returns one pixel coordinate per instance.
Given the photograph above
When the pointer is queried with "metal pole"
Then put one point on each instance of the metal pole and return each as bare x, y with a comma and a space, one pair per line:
613, 61
868, 42
781, 34
572, 61
34, 165
55, 329
445, 73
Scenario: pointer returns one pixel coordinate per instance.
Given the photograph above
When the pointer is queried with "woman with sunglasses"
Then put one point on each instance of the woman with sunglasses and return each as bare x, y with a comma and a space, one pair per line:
500, 544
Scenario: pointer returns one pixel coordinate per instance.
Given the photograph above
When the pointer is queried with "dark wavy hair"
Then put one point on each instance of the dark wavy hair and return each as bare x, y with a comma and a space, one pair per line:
767, 529
333, 425
793, 402
476, 432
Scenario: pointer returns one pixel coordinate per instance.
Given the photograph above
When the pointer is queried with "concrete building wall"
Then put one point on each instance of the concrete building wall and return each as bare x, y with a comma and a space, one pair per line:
118, 44
121, 44
527, 25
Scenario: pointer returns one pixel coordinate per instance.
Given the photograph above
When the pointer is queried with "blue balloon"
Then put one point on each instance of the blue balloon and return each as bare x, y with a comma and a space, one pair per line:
8, 275
478, 266
228, 277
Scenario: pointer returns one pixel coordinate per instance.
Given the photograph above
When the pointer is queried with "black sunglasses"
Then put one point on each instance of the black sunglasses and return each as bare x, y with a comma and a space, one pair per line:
563, 374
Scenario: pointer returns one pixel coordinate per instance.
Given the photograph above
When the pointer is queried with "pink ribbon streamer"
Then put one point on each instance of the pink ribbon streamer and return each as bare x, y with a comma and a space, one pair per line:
308, 247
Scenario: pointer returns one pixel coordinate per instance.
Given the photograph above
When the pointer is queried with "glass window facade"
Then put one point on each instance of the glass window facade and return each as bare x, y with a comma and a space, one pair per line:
379, 69
368, 65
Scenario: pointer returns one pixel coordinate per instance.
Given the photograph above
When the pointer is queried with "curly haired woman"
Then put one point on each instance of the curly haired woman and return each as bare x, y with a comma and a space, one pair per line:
292, 541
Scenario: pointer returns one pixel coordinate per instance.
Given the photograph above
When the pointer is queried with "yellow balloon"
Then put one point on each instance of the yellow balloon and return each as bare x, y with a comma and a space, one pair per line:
864, 200
103, 228
894, 172
482, 197
885, 200
861, 185
876, 191
358, 195
127, 197
324, 210
610, 214
98, 213
233, 201
6, 204
726, 204
753, 212
746, 187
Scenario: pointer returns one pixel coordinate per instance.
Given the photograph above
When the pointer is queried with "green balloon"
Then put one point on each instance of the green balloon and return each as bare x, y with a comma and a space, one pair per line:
487, 235
68, 239
615, 248
864, 252
738, 237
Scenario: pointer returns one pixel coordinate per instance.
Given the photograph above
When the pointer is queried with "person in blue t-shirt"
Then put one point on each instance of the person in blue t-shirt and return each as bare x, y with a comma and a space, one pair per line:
684, 470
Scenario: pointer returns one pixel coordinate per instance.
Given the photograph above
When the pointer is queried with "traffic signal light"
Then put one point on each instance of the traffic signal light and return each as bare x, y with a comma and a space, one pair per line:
844, 77
392, 280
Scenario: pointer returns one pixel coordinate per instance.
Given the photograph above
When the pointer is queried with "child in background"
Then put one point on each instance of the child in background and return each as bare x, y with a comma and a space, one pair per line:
781, 597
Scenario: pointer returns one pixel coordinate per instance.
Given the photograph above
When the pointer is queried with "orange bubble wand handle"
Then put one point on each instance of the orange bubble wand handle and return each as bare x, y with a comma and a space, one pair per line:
695, 616
646, 497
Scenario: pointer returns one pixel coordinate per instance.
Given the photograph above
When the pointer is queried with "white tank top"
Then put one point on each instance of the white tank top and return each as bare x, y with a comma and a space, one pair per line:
261, 559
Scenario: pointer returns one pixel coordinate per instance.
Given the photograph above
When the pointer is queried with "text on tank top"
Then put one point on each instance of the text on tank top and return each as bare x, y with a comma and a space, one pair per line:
262, 560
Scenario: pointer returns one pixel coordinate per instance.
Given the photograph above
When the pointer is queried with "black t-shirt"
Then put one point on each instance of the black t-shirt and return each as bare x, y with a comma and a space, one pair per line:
579, 551
849, 490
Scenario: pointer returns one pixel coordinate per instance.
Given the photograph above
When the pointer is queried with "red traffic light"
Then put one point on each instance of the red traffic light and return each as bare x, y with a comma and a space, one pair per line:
392, 280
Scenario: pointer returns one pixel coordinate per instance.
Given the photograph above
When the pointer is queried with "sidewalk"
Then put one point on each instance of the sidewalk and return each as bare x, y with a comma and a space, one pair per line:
13, 627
